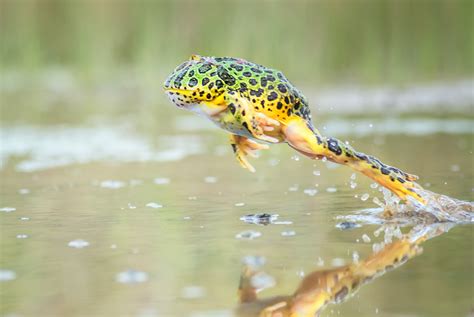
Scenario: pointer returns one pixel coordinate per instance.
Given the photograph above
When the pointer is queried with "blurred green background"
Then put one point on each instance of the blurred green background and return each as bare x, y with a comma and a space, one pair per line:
313, 41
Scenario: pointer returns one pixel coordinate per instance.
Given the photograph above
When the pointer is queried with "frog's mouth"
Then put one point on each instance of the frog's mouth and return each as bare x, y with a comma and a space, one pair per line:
182, 97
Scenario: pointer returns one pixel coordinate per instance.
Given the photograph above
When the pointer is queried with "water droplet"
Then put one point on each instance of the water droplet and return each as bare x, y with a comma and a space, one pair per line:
300, 273
21, 236
210, 179
374, 185
371, 125
78, 244
7, 275
7, 209
131, 277
239, 204
365, 197
310, 191
347, 225
324, 159
187, 218
24, 218
260, 219
161, 181
316, 173
355, 257
24, 191
455, 168
353, 185
366, 238
248, 235
274, 162
193, 292
320, 261
192, 198
288, 233
154, 205
112, 184
130, 206
293, 188
331, 189
113, 246
295, 157
353, 176
262, 280
338, 262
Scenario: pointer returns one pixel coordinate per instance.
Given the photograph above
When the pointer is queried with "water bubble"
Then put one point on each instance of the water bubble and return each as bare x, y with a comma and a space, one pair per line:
112, 184
21, 236
7, 209
365, 197
288, 233
374, 185
210, 179
154, 205
353, 185
24, 191
248, 235
310, 191
161, 181
131, 277
239, 204
331, 189
7, 275
78, 244
316, 173
193, 292
366, 238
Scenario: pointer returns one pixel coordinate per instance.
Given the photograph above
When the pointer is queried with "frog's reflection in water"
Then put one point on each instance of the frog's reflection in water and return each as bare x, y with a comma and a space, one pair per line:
320, 288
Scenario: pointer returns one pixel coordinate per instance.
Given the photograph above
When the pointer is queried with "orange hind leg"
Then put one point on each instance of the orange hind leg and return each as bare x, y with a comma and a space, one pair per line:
312, 144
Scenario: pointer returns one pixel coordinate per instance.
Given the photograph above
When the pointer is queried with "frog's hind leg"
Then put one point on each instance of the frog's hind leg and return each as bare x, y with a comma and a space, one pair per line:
312, 144
244, 147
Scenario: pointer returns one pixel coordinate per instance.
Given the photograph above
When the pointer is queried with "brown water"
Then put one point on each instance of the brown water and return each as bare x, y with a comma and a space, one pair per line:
184, 258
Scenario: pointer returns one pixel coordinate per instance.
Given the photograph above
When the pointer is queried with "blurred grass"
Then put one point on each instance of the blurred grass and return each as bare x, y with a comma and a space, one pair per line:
313, 41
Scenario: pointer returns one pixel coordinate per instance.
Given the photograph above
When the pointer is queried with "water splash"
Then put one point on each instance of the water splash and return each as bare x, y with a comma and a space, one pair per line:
438, 209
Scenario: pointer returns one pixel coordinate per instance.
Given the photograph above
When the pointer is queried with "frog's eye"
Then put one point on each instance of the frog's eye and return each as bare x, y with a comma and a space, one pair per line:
195, 57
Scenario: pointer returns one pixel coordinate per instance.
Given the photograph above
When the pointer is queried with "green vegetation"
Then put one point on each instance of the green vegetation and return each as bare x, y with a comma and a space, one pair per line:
314, 41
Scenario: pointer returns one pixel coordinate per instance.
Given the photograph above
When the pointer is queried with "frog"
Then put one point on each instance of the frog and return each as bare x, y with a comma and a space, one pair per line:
259, 107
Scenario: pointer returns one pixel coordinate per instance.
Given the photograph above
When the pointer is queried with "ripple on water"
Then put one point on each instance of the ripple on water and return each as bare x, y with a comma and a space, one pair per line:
7, 275
78, 244
161, 181
131, 277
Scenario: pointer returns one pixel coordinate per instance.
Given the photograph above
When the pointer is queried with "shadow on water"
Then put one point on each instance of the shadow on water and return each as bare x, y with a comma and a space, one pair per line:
332, 286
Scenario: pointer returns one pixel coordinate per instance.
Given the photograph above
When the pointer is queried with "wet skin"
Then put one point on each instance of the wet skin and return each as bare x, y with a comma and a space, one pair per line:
259, 106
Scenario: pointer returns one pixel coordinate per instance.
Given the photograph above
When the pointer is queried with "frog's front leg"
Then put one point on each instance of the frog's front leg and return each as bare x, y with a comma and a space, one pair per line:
242, 147
240, 117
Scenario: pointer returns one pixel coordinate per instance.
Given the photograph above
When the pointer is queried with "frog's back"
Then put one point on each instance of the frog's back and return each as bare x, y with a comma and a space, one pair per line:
267, 89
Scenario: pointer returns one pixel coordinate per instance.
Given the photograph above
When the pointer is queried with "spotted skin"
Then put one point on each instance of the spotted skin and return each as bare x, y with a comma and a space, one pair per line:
256, 103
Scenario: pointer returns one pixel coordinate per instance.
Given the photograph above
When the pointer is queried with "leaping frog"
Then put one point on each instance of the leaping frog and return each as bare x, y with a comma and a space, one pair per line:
259, 106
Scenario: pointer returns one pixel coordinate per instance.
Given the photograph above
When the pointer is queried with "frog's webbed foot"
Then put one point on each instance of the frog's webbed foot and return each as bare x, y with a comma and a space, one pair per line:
244, 147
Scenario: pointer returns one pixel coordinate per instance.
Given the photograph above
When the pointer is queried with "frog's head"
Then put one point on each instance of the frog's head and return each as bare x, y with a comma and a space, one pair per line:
194, 81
